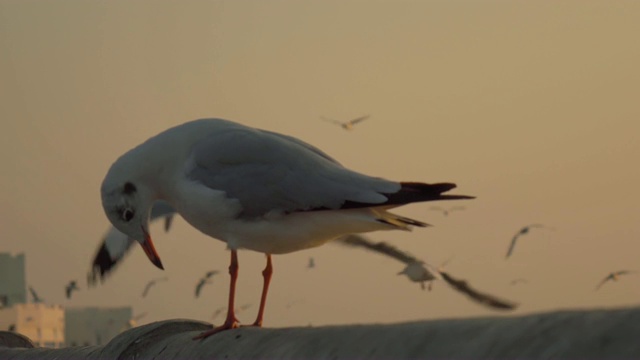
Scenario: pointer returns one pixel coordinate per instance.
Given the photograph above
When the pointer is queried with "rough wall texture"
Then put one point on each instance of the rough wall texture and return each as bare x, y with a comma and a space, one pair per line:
595, 334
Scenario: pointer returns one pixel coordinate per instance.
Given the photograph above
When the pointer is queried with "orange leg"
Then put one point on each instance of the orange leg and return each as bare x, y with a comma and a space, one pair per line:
266, 274
231, 322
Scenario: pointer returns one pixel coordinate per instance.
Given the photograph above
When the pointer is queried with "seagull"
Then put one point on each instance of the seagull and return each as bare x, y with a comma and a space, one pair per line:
347, 125
523, 231
518, 281
151, 283
252, 189
206, 279
36, 298
71, 286
446, 211
115, 245
614, 276
419, 271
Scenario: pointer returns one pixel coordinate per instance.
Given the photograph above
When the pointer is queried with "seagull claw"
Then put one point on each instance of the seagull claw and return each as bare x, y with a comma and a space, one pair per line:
228, 325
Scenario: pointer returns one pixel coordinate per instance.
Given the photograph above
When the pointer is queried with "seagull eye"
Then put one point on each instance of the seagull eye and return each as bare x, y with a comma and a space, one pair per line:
127, 214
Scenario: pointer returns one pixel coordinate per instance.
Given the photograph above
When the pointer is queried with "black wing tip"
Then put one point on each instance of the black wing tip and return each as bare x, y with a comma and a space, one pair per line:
101, 266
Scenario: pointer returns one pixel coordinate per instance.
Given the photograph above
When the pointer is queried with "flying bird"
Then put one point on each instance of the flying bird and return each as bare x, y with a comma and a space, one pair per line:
70, 288
614, 276
518, 281
252, 189
419, 271
206, 279
115, 245
525, 230
312, 263
36, 299
347, 125
447, 211
151, 283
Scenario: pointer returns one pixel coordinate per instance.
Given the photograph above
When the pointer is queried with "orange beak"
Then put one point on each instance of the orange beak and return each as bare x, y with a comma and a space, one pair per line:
150, 250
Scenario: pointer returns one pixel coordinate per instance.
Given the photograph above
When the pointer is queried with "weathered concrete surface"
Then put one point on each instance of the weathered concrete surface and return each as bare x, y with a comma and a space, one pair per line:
594, 334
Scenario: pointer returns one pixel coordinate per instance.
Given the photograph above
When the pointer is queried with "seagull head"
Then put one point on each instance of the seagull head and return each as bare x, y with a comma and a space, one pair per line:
127, 200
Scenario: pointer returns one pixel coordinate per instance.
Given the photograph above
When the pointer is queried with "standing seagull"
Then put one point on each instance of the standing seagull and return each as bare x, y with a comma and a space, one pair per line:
151, 283
347, 125
70, 288
253, 189
116, 245
419, 271
523, 231
614, 276
206, 279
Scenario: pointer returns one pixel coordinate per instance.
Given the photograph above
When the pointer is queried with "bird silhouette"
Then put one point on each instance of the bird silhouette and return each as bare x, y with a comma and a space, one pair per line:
36, 299
447, 211
115, 245
151, 283
419, 271
347, 125
614, 276
525, 230
518, 281
206, 279
70, 288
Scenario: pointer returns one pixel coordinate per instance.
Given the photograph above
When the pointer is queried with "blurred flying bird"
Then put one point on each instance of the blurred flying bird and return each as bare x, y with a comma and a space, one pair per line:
34, 295
614, 276
115, 245
70, 288
312, 263
206, 279
419, 271
151, 283
523, 231
518, 281
447, 211
347, 125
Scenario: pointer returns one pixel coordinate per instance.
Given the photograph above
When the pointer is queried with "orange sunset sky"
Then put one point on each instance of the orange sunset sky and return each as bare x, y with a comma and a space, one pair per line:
532, 106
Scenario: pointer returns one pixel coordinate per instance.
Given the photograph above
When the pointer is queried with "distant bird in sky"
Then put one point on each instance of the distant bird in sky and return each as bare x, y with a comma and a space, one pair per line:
518, 281
115, 245
347, 125
206, 279
36, 299
447, 211
312, 263
151, 283
614, 276
525, 230
222, 308
70, 288
419, 271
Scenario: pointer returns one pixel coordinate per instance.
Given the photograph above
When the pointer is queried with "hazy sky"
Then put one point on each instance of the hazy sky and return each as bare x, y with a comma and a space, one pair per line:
530, 106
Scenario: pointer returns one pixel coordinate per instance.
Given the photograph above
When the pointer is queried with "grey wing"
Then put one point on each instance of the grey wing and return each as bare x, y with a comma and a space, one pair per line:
360, 119
210, 273
269, 172
513, 244
603, 281
381, 248
331, 120
482, 298
199, 287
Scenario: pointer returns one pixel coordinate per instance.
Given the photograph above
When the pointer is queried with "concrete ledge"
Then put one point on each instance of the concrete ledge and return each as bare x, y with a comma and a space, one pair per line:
595, 334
